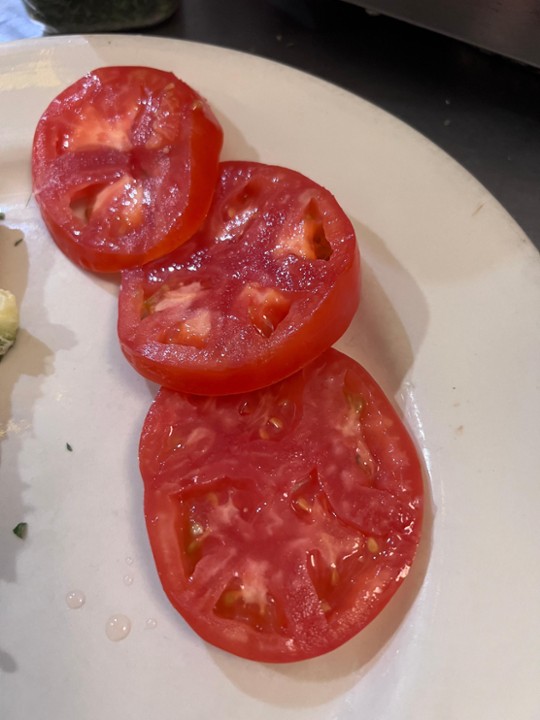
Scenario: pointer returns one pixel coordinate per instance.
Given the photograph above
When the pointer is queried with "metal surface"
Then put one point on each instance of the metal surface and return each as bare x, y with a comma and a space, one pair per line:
508, 27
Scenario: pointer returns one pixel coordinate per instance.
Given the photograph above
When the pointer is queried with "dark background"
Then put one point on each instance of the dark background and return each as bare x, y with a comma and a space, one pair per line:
482, 109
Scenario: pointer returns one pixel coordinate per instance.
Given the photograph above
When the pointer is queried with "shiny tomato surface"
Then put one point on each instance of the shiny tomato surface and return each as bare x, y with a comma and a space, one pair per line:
269, 282
283, 520
124, 166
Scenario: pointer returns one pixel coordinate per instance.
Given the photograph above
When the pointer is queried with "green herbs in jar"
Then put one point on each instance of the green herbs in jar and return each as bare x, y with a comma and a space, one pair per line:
79, 16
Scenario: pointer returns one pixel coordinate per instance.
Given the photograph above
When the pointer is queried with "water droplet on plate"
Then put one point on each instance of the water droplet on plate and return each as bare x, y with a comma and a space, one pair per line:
117, 627
151, 623
75, 599
129, 561
128, 579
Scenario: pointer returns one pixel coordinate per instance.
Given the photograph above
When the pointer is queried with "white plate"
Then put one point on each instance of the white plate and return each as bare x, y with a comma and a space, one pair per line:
448, 325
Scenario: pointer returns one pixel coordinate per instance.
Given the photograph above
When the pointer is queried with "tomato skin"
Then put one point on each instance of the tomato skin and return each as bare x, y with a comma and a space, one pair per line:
275, 291
124, 164
282, 521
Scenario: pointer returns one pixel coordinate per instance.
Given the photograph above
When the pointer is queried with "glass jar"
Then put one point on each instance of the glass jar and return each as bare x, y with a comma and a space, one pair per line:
80, 16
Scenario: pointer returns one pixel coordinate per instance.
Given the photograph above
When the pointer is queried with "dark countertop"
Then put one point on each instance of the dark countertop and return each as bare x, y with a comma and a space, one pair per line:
482, 109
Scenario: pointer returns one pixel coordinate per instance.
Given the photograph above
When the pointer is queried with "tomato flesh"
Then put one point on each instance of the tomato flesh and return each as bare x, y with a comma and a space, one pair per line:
124, 165
269, 282
283, 520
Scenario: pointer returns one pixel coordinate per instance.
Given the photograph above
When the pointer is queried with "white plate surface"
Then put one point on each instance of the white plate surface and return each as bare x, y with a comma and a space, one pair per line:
449, 325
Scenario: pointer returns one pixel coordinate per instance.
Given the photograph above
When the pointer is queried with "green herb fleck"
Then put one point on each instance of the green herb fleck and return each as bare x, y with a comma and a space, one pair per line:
18, 242
2, 215
21, 530
68, 447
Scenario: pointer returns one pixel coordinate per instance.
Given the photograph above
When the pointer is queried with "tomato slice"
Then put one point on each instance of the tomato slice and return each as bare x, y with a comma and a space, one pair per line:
283, 520
124, 166
269, 282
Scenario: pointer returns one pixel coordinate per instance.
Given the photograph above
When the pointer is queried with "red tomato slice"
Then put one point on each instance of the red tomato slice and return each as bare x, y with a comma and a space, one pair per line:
283, 520
124, 166
270, 281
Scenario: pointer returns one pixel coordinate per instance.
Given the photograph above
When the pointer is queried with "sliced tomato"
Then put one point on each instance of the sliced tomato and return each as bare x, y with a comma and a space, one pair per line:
269, 282
124, 166
283, 520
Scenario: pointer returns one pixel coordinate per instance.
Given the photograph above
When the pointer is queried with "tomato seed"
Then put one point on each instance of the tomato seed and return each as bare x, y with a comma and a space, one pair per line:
372, 545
